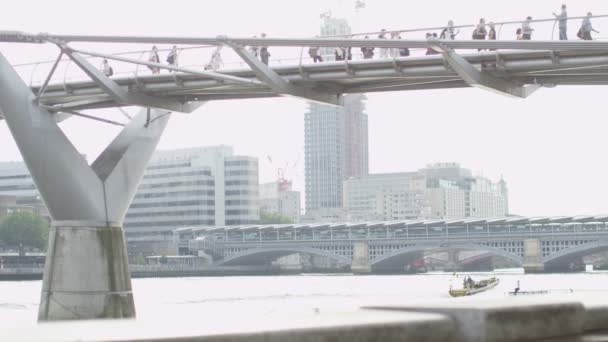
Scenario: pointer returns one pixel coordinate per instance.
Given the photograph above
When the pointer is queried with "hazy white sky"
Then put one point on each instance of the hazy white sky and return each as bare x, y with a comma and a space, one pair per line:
549, 147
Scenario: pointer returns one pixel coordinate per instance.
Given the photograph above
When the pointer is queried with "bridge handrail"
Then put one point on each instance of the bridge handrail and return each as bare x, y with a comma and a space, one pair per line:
435, 28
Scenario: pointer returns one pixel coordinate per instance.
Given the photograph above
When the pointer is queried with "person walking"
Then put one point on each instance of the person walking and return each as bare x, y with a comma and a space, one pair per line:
394, 52
254, 50
480, 31
216, 60
368, 52
491, 33
526, 29
518, 34
339, 53
172, 56
430, 50
562, 19
383, 51
449, 32
403, 52
313, 52
587, 27
264, 53
106, 68
153, 58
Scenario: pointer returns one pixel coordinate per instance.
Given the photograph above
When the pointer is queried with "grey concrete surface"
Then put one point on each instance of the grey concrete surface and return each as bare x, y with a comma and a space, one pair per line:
357, 326
512, 319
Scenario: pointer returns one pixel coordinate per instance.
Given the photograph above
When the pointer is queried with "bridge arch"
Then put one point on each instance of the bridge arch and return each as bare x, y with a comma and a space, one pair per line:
396, 254
580, 250
256, 256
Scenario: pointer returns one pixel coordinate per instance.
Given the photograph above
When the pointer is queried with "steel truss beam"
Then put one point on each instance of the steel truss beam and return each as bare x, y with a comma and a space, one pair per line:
483, 80
214, 75
276, 82
120, 95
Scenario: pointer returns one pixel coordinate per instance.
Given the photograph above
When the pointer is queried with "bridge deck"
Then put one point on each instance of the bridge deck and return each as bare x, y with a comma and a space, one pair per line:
359, 76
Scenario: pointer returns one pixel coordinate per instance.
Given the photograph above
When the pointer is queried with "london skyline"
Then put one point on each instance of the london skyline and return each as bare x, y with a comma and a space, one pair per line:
536, 150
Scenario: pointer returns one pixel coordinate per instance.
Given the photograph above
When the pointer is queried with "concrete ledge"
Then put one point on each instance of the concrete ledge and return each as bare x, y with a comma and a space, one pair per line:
515, 319
358, 326
596, 315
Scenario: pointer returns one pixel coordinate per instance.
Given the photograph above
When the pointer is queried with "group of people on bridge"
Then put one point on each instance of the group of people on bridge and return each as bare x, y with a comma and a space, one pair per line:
482, 31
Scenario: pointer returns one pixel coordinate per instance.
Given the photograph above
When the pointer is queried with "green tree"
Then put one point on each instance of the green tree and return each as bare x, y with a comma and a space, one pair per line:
274, 218
24, 228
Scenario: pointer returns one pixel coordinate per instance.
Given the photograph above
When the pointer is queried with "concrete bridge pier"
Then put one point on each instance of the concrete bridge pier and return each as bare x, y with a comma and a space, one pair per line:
533, 256
86, 273
361, 262
453, 261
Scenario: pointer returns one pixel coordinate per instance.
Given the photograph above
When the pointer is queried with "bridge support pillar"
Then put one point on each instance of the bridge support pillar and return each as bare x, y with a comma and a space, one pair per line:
453, 261
533, 256
86, 274
361, 262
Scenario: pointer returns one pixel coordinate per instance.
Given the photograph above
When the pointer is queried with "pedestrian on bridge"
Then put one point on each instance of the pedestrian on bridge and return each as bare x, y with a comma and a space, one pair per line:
587, 27
106, 68
264, 53
340, 53
172, 56
394, 52
449, 32
491, 33
562, 19
368, 52
153, 57
480, 31
526, 29
383, 51
313, 52
254, 50
403, 52
430, 50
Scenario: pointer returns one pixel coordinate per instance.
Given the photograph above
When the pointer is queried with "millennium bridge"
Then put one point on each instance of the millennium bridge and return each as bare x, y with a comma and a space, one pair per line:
88, 202
536, 243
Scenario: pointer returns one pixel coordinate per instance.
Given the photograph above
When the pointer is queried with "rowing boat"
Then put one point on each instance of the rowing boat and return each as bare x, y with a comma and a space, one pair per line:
475, 287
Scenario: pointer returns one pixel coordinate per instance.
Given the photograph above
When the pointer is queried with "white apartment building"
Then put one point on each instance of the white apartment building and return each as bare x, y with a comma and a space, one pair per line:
386, 197
206, 186
443, 191
455, 193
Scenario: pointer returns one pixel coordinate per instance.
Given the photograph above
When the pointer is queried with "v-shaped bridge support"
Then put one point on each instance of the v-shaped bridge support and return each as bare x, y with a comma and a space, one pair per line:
476, 78
86, 274
278, 83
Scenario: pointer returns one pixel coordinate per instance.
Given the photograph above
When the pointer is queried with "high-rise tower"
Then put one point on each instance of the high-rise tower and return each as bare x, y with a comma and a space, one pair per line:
336, 141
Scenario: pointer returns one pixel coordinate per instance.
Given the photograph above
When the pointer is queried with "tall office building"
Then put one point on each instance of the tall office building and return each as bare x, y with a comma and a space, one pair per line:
206, 186
336, 142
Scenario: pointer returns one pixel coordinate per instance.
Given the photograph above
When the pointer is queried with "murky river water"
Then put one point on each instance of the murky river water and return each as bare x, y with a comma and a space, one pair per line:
162, 298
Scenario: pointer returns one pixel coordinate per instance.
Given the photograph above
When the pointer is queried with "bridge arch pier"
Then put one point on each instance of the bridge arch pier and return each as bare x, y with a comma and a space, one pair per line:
86, 274
533, 256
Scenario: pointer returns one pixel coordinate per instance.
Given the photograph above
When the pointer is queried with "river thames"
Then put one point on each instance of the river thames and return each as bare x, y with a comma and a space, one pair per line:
162, 299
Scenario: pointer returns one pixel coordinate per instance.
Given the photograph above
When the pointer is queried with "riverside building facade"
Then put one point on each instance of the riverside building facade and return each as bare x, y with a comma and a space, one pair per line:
439, 191
278, 197
206, 186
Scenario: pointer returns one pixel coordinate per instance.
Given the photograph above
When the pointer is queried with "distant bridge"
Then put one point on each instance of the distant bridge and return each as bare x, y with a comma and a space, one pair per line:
534, 243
